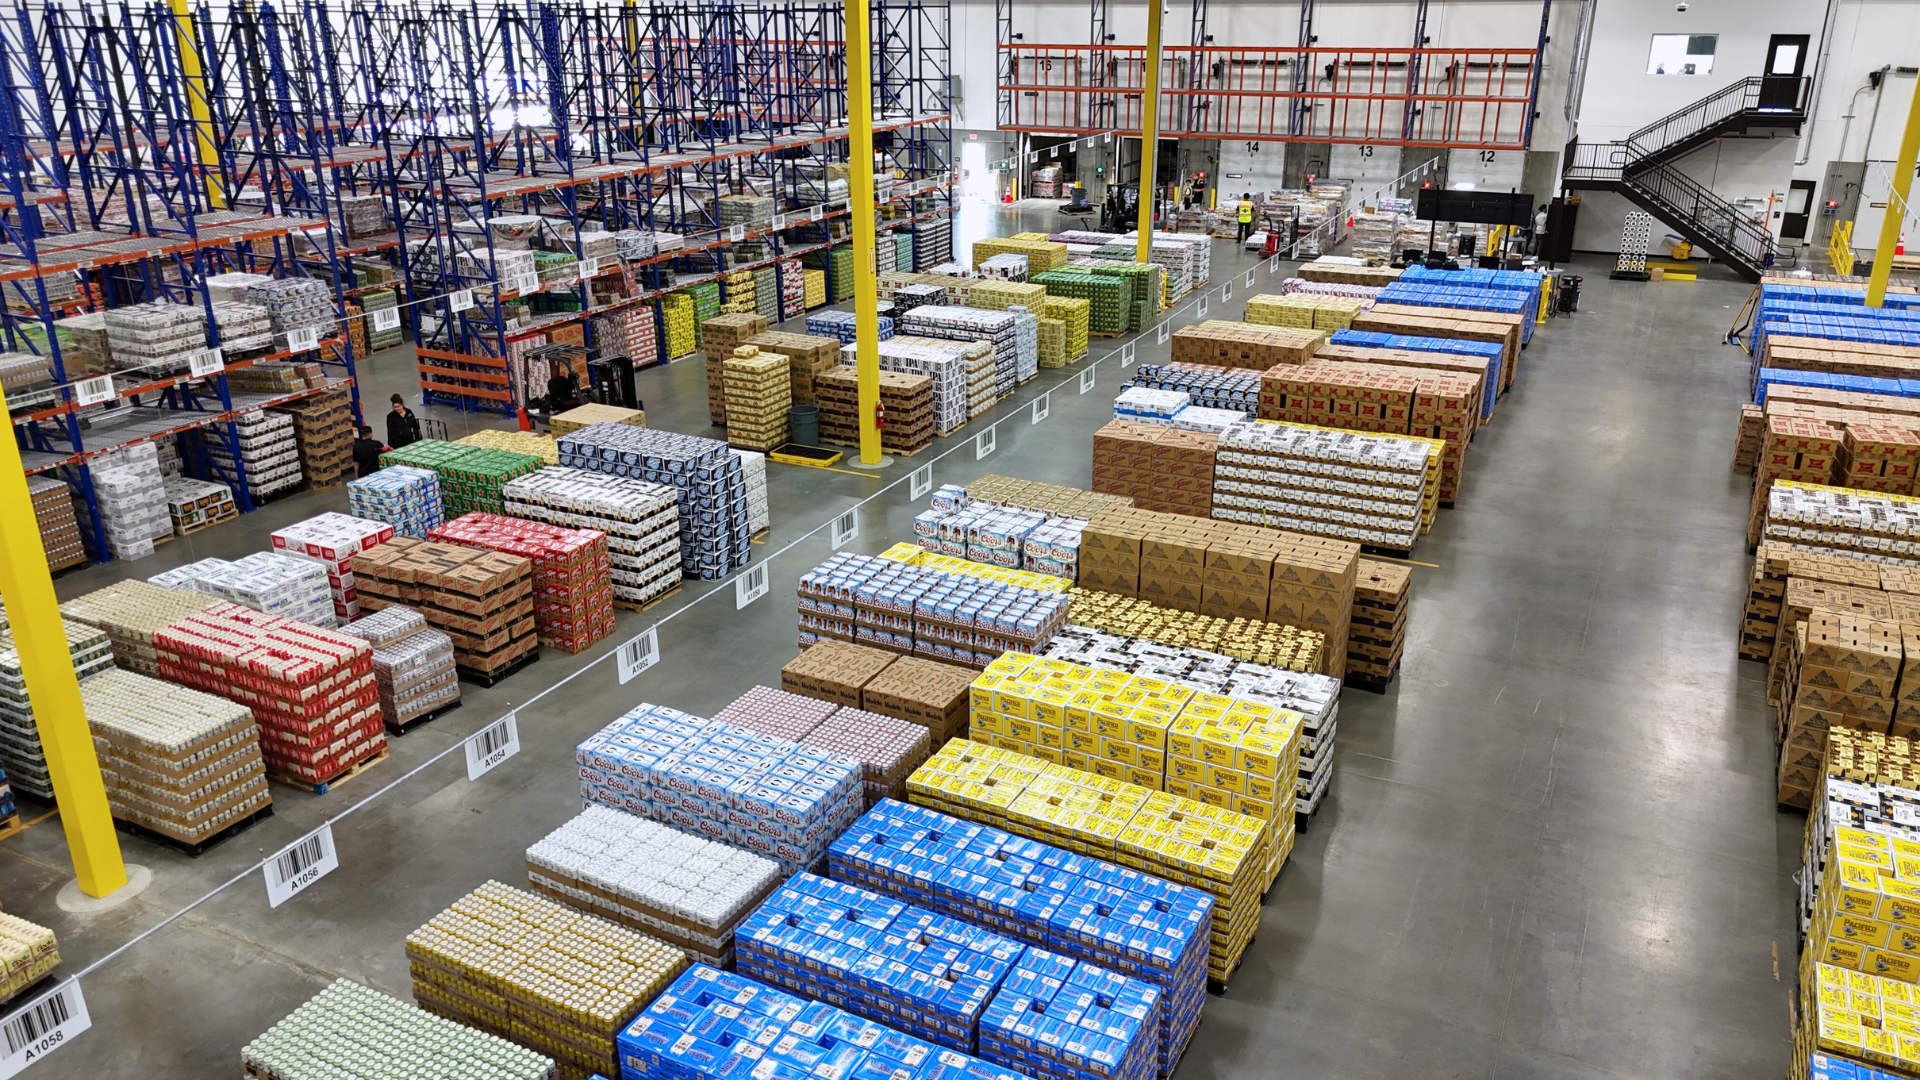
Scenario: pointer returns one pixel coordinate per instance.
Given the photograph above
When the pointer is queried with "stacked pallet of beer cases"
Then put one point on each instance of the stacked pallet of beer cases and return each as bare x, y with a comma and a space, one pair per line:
638, 518
401, 496
687, 890
887, 749
323, 432
130, 612
923, 611
795, 941
349, 1030
531, 444
412, 664
483, 600
1158, 467
715, 534
562, 982
1152, 831
906, 399
312, 690
923, 692
182, 763
28, 951
59, 530
21, 754
132, 497
194, 503
158, 336
272, 584
1377, 631
1151, 733
1122, 919
1278, 475
961, 373
572, 582
719, 336
666, 1042
753, 467
759, 393
1315, 698
971, 324
269, 452
786, 806
807, 355
332, 540
1419, 402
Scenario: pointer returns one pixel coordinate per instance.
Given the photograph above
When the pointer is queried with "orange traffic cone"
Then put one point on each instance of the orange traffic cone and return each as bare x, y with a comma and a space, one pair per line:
1009, 197
1900, 247
525, 424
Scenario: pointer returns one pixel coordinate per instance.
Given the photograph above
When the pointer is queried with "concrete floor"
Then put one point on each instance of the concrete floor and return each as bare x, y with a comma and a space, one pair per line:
1550, 849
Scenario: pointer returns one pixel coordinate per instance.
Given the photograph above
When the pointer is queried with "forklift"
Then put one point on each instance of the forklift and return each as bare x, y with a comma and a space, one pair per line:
1120, 210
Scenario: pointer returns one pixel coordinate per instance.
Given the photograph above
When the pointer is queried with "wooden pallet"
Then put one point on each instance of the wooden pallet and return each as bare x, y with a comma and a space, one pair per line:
760, 537
200, 847
208, 523
628, 605
397, 730
1107, 333
488, 682
326, 785
952, 430
11, 826
1391, 553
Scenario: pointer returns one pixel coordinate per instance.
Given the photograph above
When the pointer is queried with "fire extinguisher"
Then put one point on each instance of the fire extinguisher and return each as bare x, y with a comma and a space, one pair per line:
879, 416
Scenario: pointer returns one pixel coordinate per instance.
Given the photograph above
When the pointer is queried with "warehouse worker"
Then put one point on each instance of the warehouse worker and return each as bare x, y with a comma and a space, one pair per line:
402, 426
1540, 231
1246, 215
366, 452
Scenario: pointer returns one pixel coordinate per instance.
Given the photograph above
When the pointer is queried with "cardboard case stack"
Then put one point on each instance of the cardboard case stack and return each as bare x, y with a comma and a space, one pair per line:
1158, 467
539, 974
130, 612
471, 477
924, 692
406, 498
332, 540
1395, 401
21, 754
28, 952
572, 580
312, 690
182, 763
759, 393
1281, 476
483, 600
686, 890
715, 532
1243, 345
412, 664
59, 529
719, 337
923, 611
640, 521
323, 433
907, 399
1377, 630
771, 796
807, 356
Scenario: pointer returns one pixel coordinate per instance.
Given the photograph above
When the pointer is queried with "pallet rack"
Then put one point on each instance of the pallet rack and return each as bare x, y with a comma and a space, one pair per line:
144, 149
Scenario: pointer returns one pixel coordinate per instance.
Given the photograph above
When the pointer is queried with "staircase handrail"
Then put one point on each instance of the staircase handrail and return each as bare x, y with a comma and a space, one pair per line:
1689, 120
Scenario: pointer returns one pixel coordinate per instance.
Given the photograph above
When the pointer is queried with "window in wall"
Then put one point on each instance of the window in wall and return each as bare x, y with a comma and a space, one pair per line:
1681, 54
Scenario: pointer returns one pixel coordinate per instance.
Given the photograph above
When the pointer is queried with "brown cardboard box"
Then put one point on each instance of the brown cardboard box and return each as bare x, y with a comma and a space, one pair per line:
835, 671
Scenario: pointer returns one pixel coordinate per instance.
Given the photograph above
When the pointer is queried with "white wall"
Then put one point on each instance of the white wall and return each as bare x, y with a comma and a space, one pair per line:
1866, 35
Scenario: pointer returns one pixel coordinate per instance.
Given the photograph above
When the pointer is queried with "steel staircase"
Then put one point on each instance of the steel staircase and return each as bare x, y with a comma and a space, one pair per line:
1642, 167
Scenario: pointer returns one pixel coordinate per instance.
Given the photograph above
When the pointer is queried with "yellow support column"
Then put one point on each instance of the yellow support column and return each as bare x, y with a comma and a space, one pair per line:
866, 294
41, 641
1149, 132
187, 44
1896, 218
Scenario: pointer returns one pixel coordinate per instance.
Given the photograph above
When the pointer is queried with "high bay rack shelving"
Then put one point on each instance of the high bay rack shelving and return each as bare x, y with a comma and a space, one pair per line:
144, 148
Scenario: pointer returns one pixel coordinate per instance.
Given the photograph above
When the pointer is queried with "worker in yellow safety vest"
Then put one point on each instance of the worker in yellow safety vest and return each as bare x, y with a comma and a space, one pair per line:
1246, 215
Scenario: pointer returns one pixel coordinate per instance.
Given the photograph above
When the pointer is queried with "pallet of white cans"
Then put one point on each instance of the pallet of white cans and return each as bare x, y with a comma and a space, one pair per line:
1143, 405
639, 517
131, 493
233, 287
282, 585
412, 663
771, 796
269, 453
753, 465
1203, 419
349, 1030
1358, 486
405, 497
188, 576
243, 328
709, 482
332, 540
971, 324
685, 889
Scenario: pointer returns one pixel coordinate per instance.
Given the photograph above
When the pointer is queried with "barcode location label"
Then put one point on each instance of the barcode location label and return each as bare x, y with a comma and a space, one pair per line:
779, 222
204, 362
460, 300
1226, 293
845, 529
920, 482
47, 1023
736, 232
93, 391
1042, 407
1249, 280
299, 865
588, 268
986, 442
1202, 313
1165, 332
1087, 379
526, 283
638, 655
750, 586
492, 745
386, 319
303, 339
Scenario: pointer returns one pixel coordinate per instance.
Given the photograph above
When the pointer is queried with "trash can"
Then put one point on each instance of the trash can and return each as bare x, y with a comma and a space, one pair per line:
1569, 294
805, 422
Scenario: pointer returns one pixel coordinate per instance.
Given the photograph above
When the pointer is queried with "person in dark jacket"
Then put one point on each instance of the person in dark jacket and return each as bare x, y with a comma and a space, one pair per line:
366, 452
563, 391
402, 426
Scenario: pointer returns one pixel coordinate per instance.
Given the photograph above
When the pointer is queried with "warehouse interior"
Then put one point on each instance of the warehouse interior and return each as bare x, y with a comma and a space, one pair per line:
1361, 538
